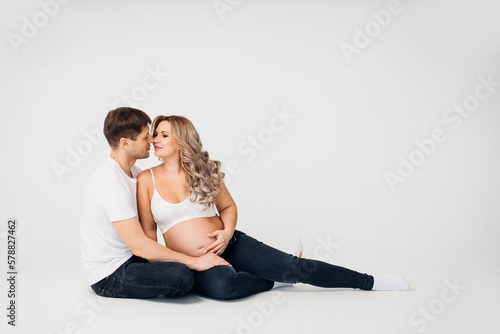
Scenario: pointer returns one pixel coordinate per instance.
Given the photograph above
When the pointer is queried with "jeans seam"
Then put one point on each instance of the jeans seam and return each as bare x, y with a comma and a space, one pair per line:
171, 290
105, 292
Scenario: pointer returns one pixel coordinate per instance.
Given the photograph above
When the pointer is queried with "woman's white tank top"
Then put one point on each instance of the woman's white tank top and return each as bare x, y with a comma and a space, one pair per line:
168, 214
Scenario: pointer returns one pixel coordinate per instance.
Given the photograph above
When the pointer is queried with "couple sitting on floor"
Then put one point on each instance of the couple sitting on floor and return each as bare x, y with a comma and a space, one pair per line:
186, 198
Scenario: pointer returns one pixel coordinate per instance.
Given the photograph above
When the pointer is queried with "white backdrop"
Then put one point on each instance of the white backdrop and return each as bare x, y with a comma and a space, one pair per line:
367, 128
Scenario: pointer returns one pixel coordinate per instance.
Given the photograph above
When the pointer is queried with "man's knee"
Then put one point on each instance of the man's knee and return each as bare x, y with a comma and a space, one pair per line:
173, 278
184, 285
181, 278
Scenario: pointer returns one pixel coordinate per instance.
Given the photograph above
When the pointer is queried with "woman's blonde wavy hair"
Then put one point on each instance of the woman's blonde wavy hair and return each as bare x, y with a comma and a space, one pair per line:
203, 175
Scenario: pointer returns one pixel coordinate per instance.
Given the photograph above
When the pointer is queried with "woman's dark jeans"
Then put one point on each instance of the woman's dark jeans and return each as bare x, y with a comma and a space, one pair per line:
255, 267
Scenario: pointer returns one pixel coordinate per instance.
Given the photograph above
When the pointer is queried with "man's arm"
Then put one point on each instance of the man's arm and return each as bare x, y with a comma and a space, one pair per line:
131, 232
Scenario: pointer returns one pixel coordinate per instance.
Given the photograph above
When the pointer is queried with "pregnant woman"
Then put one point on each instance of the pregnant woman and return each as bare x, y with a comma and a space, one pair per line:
186, 198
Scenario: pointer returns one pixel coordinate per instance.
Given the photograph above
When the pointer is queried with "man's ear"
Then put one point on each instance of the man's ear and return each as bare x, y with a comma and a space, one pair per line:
124, 143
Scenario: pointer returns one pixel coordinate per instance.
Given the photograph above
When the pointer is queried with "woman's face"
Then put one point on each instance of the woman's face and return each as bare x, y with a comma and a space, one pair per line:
164, 142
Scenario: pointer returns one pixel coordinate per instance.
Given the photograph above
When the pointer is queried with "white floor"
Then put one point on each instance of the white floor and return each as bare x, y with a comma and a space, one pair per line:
60, 302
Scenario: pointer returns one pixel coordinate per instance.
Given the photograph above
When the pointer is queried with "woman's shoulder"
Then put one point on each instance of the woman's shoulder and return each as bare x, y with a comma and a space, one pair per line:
145, 176
149, 175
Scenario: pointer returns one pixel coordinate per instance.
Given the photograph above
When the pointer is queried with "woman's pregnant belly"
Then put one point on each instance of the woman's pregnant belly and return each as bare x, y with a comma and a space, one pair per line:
190, 237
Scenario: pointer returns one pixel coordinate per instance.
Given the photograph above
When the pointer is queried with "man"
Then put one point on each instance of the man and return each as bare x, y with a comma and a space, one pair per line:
119, 259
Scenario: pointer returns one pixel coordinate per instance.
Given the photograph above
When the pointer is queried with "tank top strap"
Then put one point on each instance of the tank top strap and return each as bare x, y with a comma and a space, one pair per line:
153, 176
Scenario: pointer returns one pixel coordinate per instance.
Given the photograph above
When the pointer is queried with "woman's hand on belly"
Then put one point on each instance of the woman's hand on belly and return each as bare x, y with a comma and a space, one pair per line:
191, 237
222, 238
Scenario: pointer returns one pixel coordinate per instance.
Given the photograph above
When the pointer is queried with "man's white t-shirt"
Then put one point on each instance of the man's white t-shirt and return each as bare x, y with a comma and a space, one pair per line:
110, 195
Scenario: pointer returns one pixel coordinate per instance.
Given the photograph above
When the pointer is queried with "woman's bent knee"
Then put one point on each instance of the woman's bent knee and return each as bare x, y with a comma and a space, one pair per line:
218, 282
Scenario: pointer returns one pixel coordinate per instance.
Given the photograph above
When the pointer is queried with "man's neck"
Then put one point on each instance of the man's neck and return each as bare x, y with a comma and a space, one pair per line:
124, 161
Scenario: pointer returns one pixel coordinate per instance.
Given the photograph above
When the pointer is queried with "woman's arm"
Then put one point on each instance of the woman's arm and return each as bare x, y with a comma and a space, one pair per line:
145, 190
227, 209
229, 215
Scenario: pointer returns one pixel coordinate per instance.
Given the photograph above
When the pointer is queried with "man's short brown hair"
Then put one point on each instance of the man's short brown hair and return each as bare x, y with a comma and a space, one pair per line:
124, 122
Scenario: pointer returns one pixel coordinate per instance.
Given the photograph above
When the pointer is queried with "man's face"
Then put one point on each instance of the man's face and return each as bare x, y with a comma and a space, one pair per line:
139, 148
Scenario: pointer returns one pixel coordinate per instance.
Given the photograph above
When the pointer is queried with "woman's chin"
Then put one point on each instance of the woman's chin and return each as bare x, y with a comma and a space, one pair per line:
164, 154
